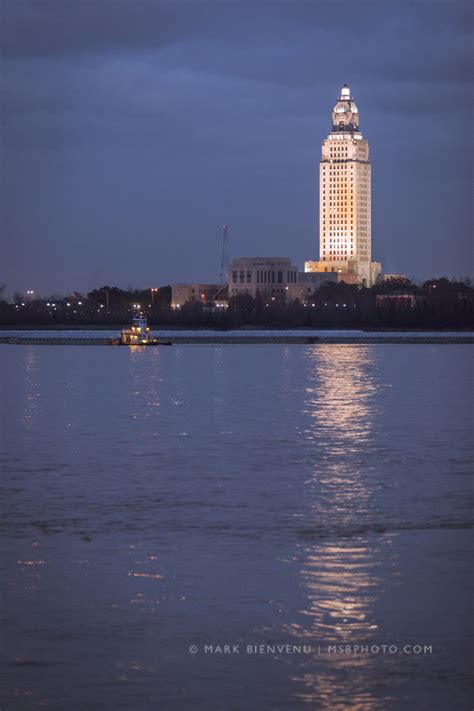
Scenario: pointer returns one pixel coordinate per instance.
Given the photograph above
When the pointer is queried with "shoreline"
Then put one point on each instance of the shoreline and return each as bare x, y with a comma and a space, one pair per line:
178, 329
251, 340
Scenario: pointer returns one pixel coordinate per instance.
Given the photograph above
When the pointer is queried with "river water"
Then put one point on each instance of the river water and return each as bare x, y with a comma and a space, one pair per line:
308, 506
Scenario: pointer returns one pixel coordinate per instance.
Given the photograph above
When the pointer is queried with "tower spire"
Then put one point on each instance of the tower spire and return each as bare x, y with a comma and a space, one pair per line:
345, 114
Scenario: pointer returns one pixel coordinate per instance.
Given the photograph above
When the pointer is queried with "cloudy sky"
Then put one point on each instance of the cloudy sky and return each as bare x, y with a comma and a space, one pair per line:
132, 130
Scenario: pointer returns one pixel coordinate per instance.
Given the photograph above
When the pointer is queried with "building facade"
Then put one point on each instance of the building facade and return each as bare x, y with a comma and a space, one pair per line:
204, 294
274, 278
345, 236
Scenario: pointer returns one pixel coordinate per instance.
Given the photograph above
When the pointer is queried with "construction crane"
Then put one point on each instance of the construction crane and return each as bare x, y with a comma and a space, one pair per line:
225, 254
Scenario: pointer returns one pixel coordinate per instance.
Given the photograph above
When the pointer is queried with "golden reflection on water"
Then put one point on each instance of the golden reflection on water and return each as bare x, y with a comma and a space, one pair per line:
339, 581
339, 565
339, 397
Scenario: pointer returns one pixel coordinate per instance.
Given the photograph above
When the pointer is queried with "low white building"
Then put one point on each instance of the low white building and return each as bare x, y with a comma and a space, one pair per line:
204, 294
274, 278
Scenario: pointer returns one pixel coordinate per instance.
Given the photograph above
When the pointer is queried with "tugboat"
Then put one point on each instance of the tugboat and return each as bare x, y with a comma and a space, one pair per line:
138, 334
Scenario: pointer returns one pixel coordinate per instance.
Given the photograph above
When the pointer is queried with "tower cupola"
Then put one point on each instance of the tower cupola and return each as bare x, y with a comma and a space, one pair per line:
345, 114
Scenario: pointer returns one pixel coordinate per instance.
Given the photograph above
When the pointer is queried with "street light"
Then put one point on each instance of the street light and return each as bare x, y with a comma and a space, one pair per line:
153, 291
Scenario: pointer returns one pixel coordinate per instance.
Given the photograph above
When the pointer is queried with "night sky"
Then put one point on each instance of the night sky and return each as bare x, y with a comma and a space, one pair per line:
132, 130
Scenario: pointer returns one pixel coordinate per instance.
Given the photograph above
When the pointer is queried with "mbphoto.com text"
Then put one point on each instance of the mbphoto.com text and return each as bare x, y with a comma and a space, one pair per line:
335, 649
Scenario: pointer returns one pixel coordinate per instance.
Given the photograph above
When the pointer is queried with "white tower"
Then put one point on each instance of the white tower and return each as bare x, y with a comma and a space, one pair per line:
345, 199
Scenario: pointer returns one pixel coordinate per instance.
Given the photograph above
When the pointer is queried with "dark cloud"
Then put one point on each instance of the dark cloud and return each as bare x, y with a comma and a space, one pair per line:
36, 28
33, 28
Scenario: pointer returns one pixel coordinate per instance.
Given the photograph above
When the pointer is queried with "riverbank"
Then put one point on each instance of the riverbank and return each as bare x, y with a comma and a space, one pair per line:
114, 328
177, 339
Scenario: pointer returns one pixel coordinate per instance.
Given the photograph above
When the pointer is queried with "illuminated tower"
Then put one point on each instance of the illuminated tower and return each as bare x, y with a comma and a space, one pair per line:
345, 199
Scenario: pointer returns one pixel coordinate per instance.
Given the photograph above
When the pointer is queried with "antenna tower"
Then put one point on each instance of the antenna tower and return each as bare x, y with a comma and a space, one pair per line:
225, 254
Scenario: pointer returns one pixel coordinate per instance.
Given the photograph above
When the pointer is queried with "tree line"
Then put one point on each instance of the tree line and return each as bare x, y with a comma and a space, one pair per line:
437, 304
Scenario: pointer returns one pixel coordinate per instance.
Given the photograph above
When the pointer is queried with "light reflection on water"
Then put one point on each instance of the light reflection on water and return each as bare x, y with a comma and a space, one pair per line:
339, 575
